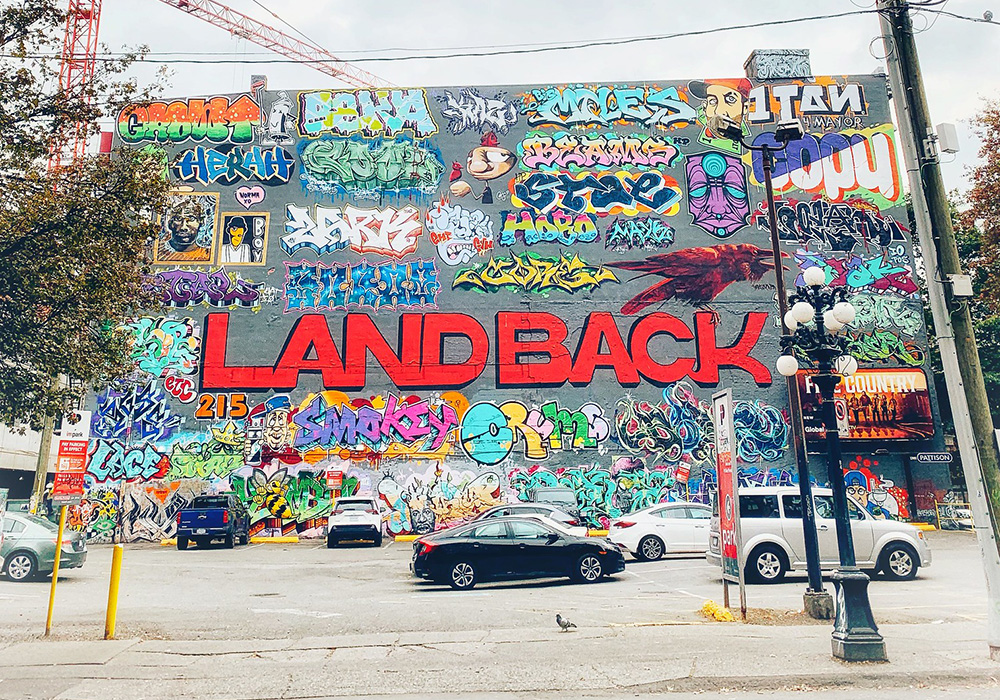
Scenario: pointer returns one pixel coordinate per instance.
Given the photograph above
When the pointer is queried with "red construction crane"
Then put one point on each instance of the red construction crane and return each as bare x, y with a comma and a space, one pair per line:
79, 54
279, 42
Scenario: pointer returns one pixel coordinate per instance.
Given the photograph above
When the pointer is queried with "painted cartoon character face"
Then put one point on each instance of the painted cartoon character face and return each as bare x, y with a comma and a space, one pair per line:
717, 193
237, 230
490, 160
725, 101
856, 487
276, 428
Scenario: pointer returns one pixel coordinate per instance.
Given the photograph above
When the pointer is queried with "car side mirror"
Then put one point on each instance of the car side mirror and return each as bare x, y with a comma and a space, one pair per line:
552, 538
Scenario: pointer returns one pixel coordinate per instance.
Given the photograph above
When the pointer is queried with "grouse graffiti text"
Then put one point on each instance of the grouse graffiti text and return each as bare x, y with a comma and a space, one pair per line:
215, 119
884, 346
387, 231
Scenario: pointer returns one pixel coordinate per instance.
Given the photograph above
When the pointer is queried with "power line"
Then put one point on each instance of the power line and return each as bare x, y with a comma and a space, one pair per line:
534, 50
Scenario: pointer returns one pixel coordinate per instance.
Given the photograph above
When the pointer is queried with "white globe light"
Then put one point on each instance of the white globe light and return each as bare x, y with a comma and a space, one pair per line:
845, 312
787, 366
814, 276
790, 322
831, 322
846, 365
803, 312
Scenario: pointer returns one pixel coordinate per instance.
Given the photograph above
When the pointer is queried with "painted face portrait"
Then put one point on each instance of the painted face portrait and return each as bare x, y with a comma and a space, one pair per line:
184, 222
717, 193
856, 487
724, 101
276, 428
237, 231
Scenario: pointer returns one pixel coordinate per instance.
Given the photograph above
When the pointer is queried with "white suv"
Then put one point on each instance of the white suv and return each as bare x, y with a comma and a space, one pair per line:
354, 518
771, 525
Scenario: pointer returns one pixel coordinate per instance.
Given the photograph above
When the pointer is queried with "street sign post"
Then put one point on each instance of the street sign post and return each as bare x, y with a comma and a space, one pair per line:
334, 480
71, 462
731, 544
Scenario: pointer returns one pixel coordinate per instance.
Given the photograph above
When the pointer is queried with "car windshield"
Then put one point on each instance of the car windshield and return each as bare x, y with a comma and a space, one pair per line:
362, 506
210, 502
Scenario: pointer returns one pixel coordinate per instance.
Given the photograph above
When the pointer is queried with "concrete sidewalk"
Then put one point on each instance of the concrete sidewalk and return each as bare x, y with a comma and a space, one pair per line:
609, 661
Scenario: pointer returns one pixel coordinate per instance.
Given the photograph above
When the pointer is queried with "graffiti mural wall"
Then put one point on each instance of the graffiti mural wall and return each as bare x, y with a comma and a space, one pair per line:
453, 296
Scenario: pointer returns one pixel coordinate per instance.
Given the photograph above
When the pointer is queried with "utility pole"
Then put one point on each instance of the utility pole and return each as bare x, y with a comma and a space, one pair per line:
42, 464
952, 320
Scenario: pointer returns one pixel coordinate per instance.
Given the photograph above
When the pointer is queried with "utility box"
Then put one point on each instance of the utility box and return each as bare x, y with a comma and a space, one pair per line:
947, 137
961, 285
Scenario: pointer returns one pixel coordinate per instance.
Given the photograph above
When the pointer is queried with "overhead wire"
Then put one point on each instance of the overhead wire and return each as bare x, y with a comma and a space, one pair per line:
536, 49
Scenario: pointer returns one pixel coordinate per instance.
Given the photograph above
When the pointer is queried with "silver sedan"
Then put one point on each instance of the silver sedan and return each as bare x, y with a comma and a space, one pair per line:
29, 547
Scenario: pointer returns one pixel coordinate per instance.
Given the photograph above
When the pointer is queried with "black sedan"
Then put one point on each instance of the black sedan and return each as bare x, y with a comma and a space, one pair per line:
511, 548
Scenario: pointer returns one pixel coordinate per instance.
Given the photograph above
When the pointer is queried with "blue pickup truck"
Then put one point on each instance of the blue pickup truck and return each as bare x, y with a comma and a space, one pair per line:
220, 516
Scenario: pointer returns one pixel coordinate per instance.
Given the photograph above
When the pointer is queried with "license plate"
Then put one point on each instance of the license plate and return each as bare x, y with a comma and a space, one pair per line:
200, 531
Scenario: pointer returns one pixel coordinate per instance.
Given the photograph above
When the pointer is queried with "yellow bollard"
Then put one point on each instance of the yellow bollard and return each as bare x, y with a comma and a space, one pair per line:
116, 574
55, 569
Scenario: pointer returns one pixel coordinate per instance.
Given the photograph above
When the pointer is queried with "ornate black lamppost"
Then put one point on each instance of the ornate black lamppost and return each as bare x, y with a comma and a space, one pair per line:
818, 313
816, 601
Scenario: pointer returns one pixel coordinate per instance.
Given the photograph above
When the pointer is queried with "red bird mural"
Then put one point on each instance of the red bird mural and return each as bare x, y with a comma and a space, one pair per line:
697, 275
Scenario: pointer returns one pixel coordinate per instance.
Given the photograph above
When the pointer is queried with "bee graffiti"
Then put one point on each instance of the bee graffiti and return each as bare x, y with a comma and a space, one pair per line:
269, 494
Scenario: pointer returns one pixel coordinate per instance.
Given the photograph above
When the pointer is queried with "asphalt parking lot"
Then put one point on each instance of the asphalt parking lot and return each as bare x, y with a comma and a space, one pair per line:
267, 591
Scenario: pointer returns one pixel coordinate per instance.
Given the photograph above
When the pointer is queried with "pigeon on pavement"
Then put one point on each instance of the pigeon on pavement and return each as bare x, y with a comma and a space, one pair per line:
563, 623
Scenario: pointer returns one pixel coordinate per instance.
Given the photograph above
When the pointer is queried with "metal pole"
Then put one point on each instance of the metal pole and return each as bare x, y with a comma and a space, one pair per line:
818, 602
952, 325
855, 635
116, 573
55, 569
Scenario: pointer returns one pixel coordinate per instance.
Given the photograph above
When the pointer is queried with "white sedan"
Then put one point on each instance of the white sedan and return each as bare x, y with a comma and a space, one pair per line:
665, 528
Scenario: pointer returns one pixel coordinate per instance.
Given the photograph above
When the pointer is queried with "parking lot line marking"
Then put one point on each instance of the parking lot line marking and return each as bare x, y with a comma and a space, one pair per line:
677, 568
631, 573
699, 597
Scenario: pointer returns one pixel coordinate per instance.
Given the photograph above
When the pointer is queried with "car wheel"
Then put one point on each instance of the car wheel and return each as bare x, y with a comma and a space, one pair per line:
378, 540
899, 562
182, 543
462, 576
588, 569
21, 566
230, 541
650, 548
331, 541
767, 564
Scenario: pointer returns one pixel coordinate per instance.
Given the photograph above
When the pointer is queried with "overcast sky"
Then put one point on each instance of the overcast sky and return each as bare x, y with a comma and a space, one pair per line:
959, 59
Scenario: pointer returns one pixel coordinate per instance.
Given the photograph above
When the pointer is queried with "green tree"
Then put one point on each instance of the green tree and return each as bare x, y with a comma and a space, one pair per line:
72, 239
976, 219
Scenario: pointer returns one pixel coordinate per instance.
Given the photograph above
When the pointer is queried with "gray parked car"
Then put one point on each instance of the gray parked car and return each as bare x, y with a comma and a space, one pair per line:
29, 547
